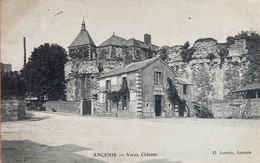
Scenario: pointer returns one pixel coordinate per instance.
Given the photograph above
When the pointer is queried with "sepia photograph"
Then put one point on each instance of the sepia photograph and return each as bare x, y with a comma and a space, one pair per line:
122, 81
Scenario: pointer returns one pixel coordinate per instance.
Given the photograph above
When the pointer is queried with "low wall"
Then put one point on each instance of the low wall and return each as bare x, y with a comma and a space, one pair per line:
235, 108
72, 107
13, 110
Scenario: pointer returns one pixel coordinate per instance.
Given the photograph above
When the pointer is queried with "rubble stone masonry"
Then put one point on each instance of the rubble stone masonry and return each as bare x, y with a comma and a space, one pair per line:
213, 80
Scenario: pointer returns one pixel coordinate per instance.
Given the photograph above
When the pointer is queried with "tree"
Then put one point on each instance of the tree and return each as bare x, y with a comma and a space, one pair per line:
172, 92
174, 97
223, 53
163, 53
44, 72
186, 53
13, 85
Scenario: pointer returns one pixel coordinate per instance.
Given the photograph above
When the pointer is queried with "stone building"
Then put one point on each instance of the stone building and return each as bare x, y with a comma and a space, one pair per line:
81, 69
83, 47
86, 61
112, 49
140, 90
116, 48
6, 67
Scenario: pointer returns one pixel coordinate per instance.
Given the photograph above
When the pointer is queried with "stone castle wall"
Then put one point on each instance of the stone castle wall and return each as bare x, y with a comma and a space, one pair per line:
81, 77
213, 79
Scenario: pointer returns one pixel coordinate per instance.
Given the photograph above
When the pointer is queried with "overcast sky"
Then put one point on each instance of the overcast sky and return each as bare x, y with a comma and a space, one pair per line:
170, 22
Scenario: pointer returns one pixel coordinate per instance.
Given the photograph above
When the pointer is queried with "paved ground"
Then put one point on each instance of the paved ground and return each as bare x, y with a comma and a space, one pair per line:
50, 137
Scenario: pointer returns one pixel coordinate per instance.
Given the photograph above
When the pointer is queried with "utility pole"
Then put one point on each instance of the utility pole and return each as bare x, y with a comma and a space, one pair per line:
24, 47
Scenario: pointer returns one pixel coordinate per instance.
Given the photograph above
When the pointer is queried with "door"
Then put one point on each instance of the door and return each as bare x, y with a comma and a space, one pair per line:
86, 107
158, 105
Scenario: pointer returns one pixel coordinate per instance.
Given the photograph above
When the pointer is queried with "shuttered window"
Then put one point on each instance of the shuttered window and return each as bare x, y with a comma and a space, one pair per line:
158, 78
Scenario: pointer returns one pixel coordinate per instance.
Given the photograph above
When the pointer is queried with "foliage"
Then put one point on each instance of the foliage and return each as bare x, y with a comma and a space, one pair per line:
174, 98
44, 72
12, 85
163, 53
128, 59
172, 92
211, 56
115, 96
223, 53
252, 74
186, 45
113, 53
186, 53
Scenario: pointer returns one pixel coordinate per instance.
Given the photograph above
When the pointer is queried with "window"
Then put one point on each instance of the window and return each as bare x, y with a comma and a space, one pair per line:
125, 96
108, 84
185, 89
124, 81
158, 78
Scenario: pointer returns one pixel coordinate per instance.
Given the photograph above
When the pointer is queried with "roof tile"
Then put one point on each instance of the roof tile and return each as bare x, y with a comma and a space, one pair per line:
83, 38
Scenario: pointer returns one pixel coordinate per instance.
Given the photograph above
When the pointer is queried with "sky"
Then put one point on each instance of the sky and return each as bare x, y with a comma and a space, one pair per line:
169, 22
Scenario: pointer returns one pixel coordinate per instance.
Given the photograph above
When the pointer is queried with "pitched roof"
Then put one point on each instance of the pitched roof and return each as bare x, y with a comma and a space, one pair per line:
183, 82
133, 67
248, 87
141, 44
83, 38
113, 40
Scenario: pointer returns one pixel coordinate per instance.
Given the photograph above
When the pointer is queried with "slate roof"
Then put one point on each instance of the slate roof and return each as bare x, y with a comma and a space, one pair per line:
133, 67
113, 40
83, 38
248, 87
141, 44
119, 41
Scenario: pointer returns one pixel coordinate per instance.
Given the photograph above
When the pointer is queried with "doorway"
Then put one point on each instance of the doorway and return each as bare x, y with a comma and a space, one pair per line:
158, 105
86, 106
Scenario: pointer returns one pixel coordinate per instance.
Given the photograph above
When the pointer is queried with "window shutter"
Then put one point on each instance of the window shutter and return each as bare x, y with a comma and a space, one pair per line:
155, 77
161, 79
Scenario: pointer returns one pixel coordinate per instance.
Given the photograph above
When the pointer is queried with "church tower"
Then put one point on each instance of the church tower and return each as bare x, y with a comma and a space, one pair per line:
83, 47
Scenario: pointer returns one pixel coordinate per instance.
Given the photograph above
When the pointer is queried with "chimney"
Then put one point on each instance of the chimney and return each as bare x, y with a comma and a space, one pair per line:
24, 47
147, 39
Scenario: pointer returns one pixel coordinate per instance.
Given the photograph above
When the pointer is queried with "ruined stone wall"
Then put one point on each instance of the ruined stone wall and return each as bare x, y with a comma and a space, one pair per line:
81, 77
174, 53
203, 47
213, 79
12, 110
